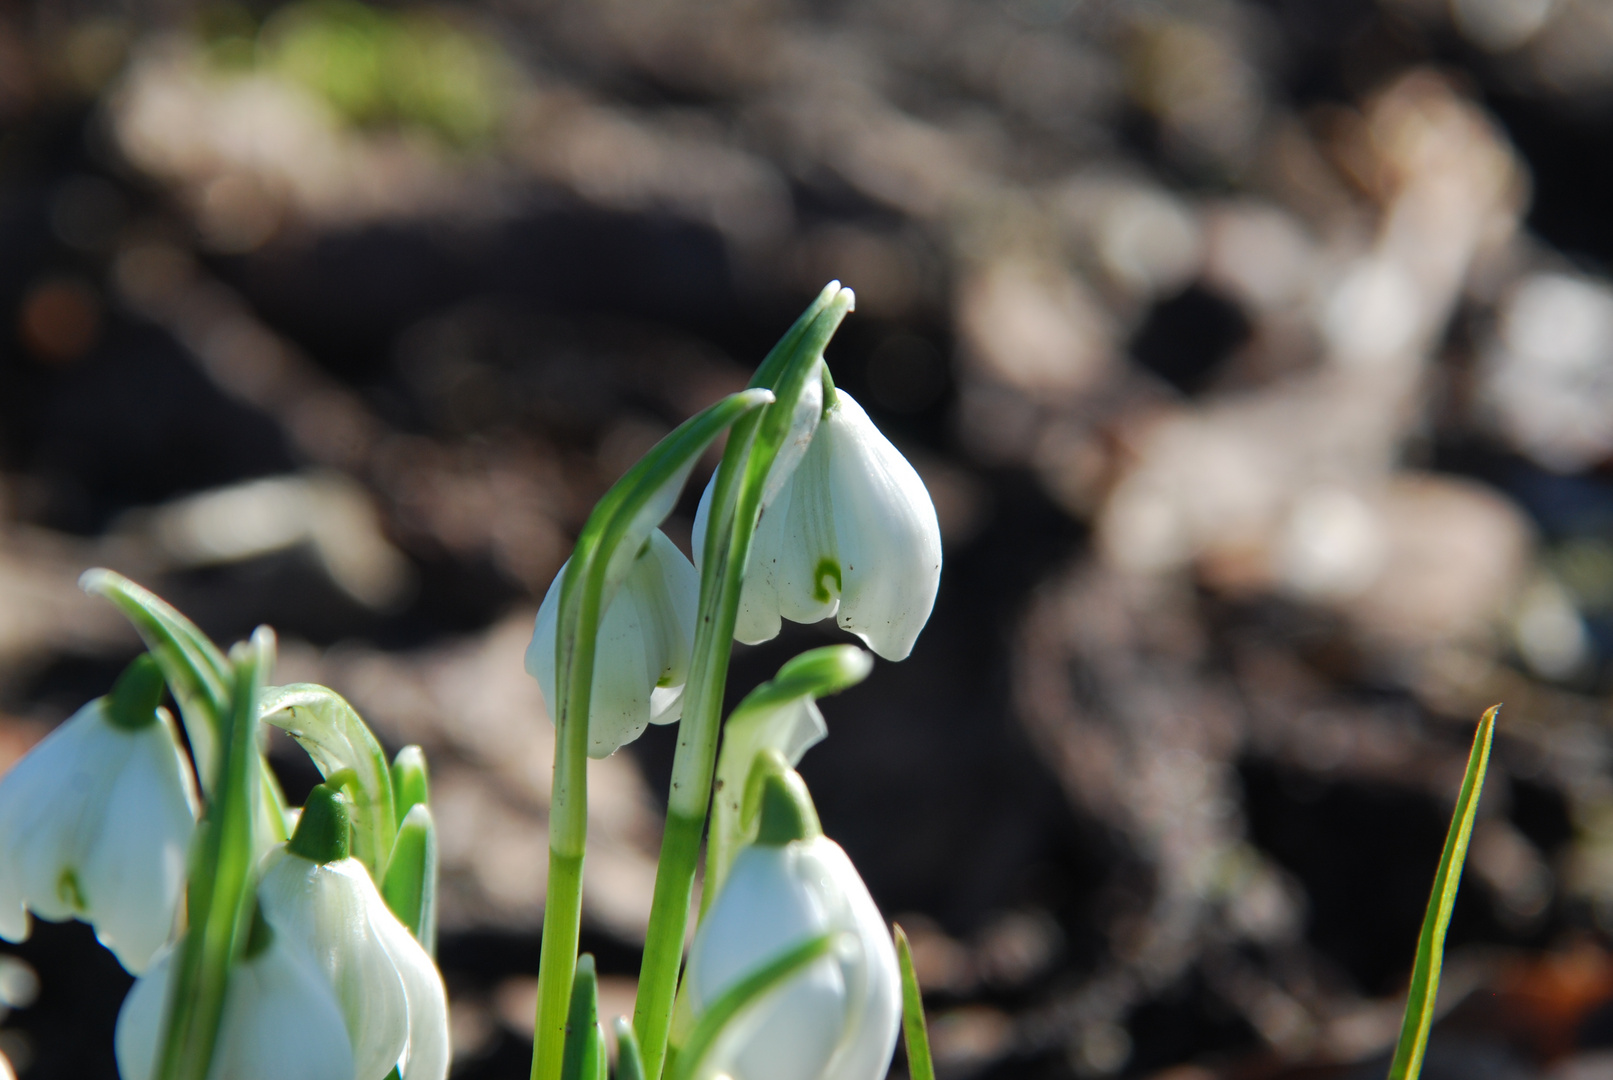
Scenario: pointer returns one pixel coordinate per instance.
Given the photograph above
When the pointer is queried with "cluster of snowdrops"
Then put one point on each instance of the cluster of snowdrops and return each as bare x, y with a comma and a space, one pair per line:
273, 942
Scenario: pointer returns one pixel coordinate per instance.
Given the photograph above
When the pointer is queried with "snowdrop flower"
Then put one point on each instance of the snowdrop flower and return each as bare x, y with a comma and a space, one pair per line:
837, 1017
642, 655
388, 990
851, 533
96, 821
280, 1018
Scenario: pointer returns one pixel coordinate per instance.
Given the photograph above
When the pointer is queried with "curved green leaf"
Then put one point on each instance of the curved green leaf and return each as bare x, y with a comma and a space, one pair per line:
339, 741
198, 674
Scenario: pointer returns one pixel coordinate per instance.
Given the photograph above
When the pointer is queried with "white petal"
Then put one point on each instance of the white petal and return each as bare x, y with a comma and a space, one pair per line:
764, 908
668, 587
808, 565
134, 872
803, 425
280, 1020
643, 646
761, 909
540, 651
886, 532
428, 1052
326, 910
140, 1020
645, 523
52, 805
757, 619
874, 1005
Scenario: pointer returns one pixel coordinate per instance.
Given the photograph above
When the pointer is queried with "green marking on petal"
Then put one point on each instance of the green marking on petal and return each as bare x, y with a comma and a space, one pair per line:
827, 569
69, 890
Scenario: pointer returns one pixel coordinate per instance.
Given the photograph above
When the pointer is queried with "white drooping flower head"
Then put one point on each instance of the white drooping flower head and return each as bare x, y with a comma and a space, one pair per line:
642, 654
835, 1019
280, 1018
96, 823
851, 533
388, 990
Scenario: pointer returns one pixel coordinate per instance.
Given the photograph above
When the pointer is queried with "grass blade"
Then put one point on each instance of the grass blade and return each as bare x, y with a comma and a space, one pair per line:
1408, 1059
915, 1033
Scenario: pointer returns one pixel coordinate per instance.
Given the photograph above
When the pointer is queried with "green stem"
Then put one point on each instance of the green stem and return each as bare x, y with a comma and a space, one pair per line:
562, 923
753, 444
618, 525
221, 893
568, 830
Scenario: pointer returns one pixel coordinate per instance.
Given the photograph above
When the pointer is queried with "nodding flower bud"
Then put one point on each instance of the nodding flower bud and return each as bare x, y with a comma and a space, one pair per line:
387, 988
96, 822
642, 653
838, 1016
852, 533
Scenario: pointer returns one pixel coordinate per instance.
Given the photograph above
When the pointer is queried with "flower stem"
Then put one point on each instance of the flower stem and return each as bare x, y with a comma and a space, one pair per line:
568, 838
625, 516
753, 445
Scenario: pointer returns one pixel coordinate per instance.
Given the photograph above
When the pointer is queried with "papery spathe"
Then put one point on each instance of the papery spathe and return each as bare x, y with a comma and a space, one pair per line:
280, 1020
95, 824
388, 990
836, 1018
642, 654
852, 533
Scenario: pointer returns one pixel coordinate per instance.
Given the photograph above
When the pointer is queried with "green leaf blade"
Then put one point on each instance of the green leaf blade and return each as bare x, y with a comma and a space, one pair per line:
915, 1033
1420, 1001
198, 674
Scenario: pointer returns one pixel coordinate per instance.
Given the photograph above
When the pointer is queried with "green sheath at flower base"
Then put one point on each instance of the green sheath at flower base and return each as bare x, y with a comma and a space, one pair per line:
607, 549
779, 715
325, 827
132, 704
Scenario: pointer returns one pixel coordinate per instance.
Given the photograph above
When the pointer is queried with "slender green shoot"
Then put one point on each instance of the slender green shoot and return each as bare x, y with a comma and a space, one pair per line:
915, 1033
629, 1060
220, 894
409, 886
584, 1057
736, 506
605, 550
1409, 1051
683, 1063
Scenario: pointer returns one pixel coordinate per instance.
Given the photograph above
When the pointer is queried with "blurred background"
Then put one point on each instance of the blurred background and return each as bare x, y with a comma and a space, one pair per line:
1258, 356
